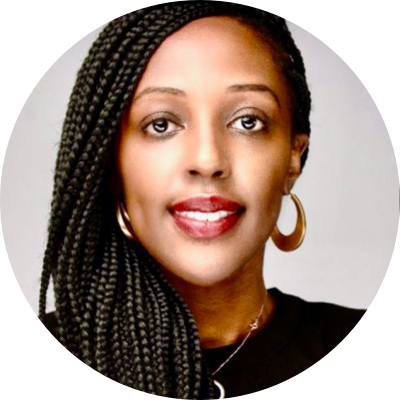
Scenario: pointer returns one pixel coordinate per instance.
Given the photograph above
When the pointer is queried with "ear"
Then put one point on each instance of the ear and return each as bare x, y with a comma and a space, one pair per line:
299, 145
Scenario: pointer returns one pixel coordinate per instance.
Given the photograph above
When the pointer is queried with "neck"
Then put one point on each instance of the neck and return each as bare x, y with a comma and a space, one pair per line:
225, 320
225, 310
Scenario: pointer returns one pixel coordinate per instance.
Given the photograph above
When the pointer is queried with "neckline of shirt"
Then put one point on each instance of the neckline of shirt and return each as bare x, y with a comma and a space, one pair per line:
266, 343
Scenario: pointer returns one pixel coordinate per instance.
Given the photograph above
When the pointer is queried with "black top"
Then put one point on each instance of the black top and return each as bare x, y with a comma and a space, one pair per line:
299, 334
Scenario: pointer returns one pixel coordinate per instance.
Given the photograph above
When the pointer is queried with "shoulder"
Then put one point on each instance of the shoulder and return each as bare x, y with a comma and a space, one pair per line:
339, 324
315, 322
333, 313
341, 320
357, 339
322, 318
333, 322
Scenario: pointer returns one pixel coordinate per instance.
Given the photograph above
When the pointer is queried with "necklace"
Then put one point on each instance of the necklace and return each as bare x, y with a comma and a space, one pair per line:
253, 326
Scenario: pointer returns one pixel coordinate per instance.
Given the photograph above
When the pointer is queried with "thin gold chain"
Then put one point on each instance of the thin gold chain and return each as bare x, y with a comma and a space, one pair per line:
253, 326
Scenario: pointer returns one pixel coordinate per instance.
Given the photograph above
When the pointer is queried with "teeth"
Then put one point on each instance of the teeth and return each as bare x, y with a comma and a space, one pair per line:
200, 216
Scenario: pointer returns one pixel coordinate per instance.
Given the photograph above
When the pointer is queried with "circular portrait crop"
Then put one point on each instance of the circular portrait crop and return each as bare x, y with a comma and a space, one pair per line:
212, 210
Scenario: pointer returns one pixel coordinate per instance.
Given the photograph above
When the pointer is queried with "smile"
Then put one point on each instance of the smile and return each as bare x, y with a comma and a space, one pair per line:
206, 225
200, 216
206, 217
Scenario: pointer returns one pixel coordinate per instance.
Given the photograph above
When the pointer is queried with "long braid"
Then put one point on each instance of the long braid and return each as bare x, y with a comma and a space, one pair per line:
187, 337
114, 308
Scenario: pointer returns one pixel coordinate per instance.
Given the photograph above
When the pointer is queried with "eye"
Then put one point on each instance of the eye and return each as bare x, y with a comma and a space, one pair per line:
248, 123
160, 127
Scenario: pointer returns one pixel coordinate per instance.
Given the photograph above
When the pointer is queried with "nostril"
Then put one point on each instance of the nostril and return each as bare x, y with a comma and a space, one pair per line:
217, 174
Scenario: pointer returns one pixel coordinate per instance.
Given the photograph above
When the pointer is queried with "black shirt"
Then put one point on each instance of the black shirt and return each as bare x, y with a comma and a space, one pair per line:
299, 334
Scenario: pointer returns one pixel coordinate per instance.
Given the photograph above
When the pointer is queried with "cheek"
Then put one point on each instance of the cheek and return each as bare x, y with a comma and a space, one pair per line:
263, 177
146, 177
139, 188
263, 172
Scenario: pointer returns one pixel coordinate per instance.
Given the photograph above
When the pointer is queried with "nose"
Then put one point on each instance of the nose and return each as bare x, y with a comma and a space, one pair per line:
208, 154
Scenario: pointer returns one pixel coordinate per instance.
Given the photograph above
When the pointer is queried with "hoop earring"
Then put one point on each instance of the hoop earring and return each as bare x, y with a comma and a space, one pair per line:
123, 221
295, 239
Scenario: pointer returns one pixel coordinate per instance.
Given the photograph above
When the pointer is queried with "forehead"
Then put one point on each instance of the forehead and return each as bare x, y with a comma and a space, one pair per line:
213, 51
213, 32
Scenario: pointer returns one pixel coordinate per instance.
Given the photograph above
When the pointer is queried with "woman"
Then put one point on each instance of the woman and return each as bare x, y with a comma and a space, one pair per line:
187, 124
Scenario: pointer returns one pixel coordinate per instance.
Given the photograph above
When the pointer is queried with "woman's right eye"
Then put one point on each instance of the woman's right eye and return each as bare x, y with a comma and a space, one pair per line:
160, 127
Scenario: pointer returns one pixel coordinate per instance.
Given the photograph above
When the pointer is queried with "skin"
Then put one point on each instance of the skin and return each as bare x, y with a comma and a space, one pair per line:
217, 71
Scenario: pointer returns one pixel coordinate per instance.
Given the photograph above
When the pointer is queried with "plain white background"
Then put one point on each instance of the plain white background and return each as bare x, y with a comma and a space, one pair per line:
348, 188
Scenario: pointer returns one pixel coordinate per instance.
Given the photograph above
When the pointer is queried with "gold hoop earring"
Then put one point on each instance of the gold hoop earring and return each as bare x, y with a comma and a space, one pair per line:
123, 220
295, 239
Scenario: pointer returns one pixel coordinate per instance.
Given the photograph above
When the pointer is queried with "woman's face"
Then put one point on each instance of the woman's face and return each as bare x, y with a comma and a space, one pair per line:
206, 151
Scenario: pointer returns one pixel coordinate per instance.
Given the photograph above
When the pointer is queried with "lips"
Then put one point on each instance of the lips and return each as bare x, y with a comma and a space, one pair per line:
207, 204
206, 217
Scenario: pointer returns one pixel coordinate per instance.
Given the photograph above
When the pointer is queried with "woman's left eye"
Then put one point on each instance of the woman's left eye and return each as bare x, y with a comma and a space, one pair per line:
248, 123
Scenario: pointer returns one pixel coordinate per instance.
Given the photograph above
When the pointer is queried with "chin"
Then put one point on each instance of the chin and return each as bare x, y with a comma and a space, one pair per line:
205, 280
209, 263
204, 274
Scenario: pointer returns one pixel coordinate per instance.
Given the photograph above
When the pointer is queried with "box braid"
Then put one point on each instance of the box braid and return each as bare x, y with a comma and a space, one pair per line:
114, 309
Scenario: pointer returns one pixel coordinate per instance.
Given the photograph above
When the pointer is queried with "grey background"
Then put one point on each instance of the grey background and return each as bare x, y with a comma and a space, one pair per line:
349, 187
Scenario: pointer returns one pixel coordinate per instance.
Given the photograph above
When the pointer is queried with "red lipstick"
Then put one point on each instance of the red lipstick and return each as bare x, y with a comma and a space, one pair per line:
207, 204
206, 217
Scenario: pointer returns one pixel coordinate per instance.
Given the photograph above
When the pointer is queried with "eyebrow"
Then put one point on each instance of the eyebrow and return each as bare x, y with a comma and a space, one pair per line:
231, 89
253, 88
156, 89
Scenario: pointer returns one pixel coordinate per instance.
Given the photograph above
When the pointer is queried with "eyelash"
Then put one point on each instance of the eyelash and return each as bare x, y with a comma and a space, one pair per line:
257, 120
169, 132
157, 118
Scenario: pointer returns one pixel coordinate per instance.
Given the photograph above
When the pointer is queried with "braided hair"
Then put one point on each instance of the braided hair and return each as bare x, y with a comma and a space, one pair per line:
115, 310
